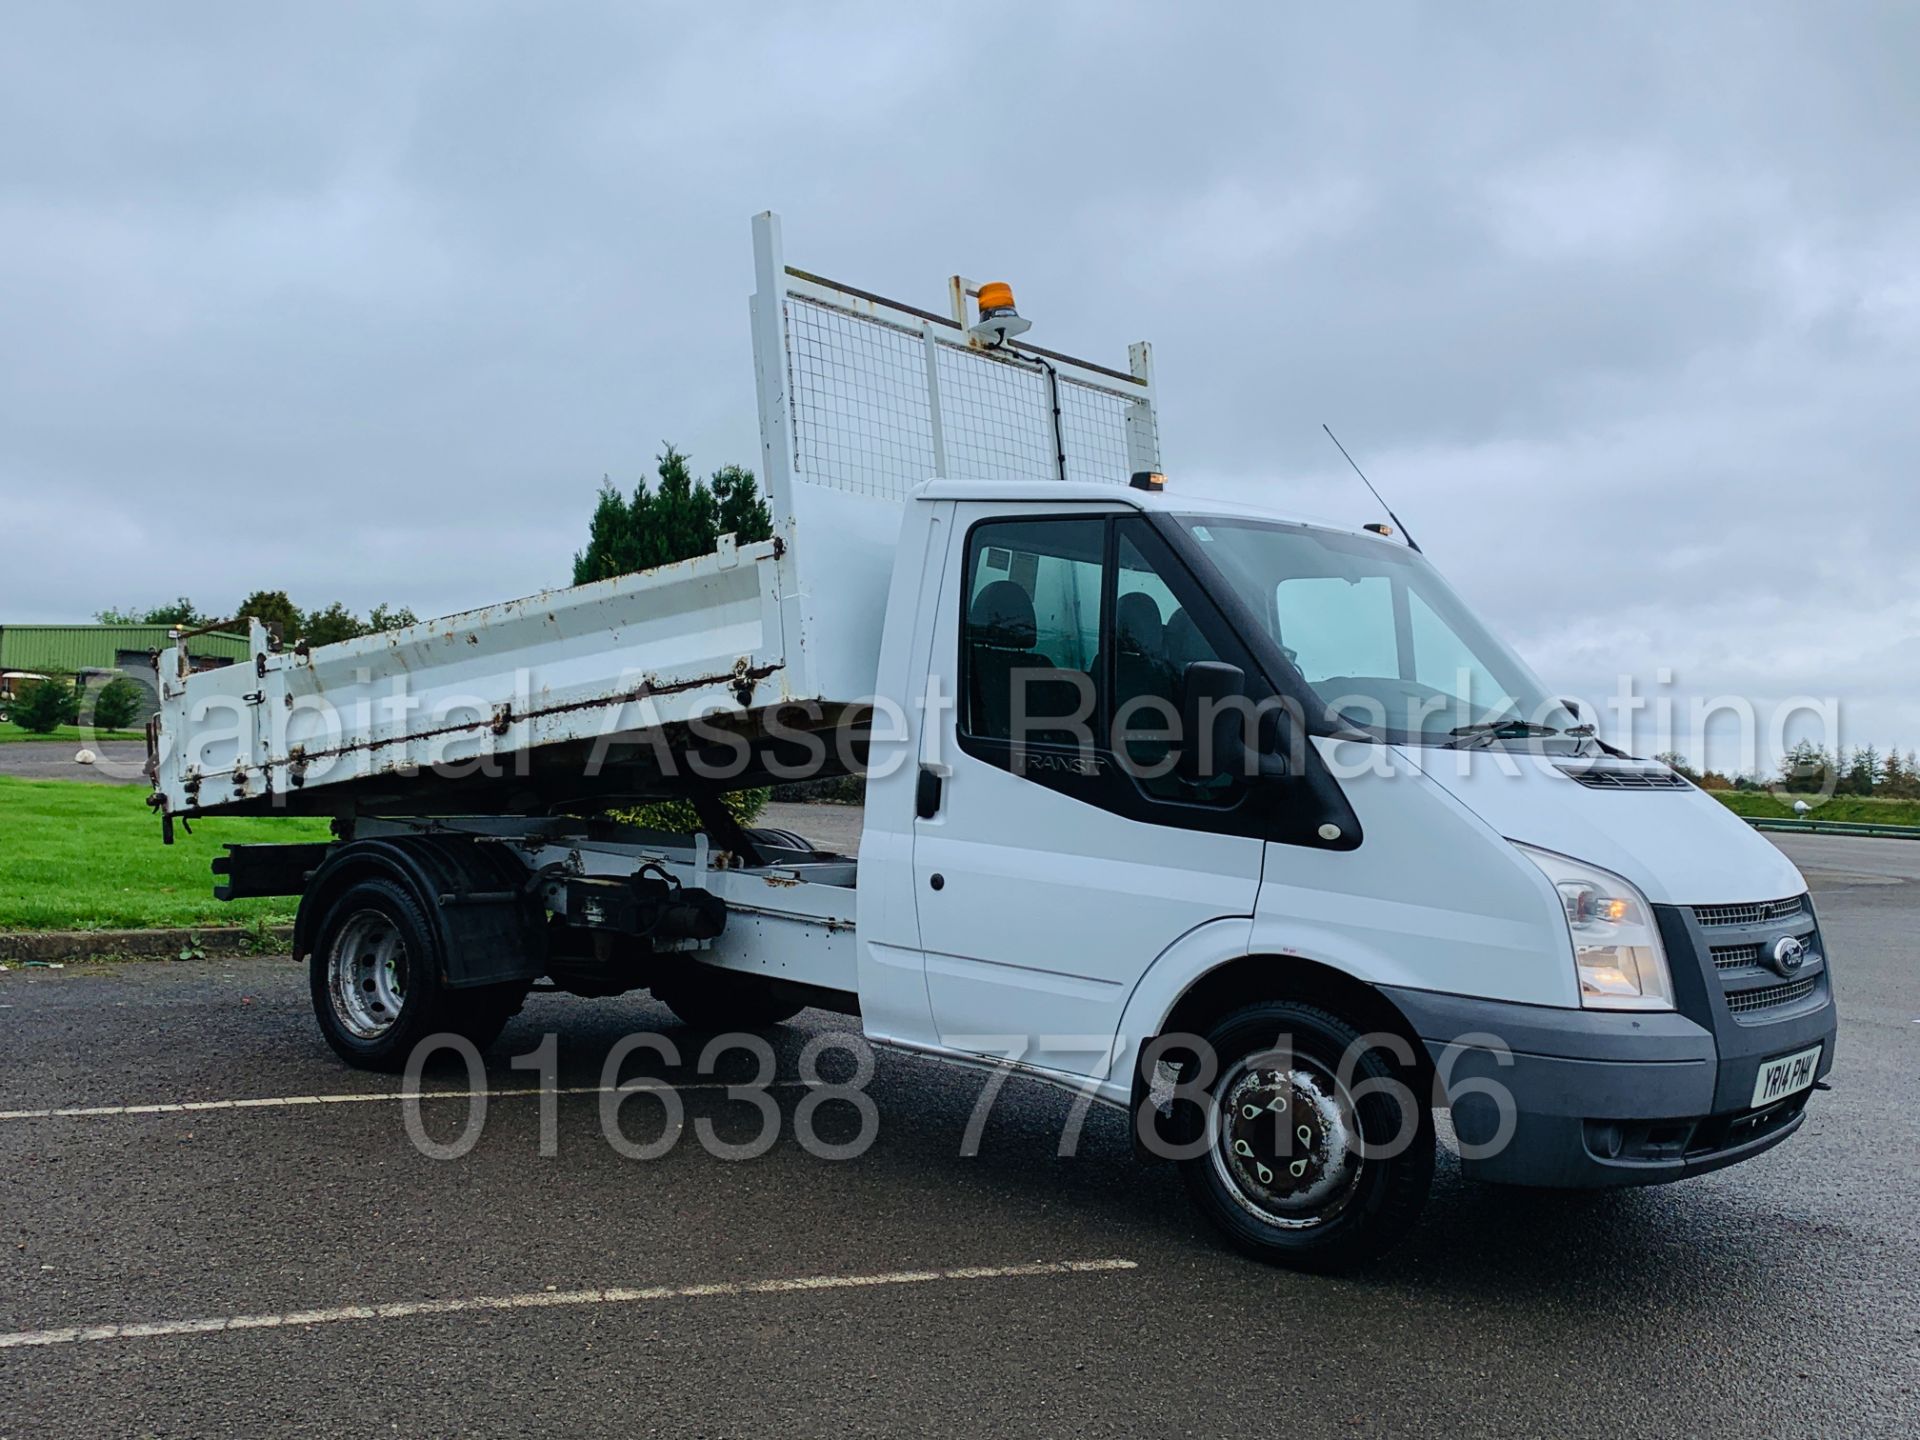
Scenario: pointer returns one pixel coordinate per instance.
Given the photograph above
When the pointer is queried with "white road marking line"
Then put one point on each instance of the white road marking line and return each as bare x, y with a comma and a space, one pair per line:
269, 1102
613, 1295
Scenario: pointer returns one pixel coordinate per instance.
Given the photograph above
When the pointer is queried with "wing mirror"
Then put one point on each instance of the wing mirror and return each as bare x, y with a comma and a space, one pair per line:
1213, 728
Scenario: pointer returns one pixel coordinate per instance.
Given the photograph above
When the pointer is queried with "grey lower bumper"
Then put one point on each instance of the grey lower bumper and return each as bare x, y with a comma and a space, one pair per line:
1583, 1098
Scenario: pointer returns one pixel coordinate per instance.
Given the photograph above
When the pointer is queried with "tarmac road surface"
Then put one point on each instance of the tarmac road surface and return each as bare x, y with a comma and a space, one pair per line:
301, 1267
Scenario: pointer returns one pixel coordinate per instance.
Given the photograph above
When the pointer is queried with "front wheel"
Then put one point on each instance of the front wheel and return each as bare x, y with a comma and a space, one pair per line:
1318, 1147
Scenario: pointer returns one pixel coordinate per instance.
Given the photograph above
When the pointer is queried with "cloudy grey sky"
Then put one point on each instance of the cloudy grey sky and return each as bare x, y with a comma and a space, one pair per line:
1620, 305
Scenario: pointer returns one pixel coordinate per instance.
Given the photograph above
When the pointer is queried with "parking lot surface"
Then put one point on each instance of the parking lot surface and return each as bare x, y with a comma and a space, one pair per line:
174, 1264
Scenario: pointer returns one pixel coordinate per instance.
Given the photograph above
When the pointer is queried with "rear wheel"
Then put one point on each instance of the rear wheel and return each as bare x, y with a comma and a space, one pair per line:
375, 981
1320, 1149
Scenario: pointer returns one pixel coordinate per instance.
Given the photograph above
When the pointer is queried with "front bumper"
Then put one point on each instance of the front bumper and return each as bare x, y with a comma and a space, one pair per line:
1592, 1098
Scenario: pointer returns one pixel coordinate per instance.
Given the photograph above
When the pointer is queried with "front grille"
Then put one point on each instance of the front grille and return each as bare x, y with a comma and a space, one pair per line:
1771, 997
1756, 914
1735, 957
1595, 778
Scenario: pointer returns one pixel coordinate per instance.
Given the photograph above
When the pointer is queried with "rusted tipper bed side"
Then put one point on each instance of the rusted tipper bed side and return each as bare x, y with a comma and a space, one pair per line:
606, 688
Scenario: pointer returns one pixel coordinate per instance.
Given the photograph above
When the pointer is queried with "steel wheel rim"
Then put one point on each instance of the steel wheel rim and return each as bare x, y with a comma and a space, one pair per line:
1286, 1141
367, 975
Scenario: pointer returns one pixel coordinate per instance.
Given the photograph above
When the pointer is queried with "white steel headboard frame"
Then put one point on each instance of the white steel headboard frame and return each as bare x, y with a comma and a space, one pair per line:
863, 398
949, 357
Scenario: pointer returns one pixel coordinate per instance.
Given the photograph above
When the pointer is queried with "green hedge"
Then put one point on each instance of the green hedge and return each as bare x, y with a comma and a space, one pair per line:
680, 817
1854, 809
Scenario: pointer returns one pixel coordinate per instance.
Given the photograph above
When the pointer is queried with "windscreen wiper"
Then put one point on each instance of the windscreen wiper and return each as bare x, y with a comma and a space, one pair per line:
1512, 728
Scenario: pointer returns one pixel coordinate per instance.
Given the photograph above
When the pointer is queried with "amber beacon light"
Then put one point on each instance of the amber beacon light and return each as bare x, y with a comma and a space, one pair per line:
999, 322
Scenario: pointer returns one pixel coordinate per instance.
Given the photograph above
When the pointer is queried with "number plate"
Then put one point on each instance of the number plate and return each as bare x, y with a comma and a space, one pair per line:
1788, 1075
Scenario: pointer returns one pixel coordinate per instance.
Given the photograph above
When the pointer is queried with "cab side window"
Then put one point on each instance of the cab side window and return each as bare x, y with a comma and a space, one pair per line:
1030, 636
1078, 633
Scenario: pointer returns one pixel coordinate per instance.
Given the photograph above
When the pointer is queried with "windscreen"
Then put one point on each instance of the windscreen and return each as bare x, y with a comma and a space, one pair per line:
1379, 635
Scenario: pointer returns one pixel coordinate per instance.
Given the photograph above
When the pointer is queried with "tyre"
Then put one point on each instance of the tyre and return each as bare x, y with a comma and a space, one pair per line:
709, 998
1312, 1159
374, 976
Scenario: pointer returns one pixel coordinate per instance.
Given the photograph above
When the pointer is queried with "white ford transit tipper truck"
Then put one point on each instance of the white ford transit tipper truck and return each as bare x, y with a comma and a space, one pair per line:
1242, 823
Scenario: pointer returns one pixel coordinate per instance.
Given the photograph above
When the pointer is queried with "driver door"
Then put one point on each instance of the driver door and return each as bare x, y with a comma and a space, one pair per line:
1052, 873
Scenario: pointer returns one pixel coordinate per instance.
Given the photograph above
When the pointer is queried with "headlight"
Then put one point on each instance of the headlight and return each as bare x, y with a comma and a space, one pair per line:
1617, 953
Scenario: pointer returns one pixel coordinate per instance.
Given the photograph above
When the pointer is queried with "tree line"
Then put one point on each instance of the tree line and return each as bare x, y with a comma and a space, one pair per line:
1811, 769
319, 626
43, 706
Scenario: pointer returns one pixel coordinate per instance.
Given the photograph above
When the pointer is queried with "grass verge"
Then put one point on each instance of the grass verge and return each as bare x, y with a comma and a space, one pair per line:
1853, 809
66, 734
78, 856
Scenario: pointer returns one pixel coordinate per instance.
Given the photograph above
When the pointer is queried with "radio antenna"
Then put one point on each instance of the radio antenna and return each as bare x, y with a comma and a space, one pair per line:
1412, 544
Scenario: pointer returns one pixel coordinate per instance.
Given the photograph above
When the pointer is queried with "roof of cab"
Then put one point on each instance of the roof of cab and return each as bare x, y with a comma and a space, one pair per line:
1074, 492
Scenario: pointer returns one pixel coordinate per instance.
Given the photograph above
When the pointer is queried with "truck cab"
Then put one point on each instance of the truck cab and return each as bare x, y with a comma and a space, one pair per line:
1608, 977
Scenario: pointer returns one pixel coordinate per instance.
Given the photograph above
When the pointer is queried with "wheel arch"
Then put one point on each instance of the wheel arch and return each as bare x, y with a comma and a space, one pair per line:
486, 927
1211, 975
1255, 977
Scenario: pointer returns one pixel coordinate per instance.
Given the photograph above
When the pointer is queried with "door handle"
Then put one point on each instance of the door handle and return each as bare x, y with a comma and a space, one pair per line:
928, 793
